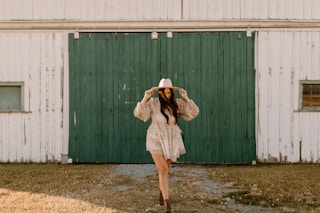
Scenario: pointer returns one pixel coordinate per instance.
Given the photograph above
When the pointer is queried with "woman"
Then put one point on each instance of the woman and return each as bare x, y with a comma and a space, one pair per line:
164, 140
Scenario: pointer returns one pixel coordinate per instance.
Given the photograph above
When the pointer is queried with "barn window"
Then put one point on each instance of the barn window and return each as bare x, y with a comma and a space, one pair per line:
11, 97
310, 93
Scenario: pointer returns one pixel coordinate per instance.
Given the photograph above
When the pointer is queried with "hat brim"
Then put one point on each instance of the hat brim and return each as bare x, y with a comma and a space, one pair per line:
173, 88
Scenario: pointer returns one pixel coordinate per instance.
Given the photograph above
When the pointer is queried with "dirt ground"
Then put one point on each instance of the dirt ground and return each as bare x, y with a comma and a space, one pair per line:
134, 187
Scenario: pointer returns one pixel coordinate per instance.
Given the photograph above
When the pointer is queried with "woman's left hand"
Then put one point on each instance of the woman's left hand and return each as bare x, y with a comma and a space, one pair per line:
184, 94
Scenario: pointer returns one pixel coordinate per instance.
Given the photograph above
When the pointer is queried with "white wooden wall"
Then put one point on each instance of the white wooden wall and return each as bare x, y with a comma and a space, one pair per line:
282, 60
38, 60
139, 10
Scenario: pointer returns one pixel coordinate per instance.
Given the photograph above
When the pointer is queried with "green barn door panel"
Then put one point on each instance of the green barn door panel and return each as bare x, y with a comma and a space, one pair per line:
109, 73
217, 69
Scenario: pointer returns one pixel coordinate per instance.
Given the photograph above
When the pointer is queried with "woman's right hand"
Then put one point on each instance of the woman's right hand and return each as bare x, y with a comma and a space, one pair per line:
148, 93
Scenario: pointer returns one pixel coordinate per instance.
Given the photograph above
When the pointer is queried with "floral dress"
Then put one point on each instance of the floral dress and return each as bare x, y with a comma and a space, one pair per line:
164, 138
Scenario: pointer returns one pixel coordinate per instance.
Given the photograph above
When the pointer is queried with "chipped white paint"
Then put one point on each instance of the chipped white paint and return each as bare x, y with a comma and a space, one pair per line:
283, 133
37, 59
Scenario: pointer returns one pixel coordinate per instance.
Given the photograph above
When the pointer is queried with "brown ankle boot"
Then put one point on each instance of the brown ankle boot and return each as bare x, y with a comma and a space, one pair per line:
167, 207
160, 198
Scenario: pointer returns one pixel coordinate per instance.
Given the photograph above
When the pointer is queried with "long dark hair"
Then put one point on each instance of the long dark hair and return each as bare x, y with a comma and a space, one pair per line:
170, 104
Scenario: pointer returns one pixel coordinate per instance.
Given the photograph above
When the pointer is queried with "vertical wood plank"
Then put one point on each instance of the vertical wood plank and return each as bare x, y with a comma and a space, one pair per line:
295, 153
274, 89
43, 74
58, 96
305, 129
261, 9
220, 96
234, 140
218, 10
193, 10
262, 95
49, 97
235, 12
251, 143
116, 92
163, 56
169, 56
273, 9
17, 147
307, 9
175, 11
298, 9
315, 9
304, 124
285, 94
100, 99
95, 100
313, 139
194, 78
5, 138
72, 67
289, 9
35, 99
12, 150
204, 123
314, 57
110, 93
5, 65
202, 10
282, 9
247, 9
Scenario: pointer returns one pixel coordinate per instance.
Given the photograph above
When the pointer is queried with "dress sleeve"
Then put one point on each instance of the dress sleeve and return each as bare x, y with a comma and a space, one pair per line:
142, 111
188, 111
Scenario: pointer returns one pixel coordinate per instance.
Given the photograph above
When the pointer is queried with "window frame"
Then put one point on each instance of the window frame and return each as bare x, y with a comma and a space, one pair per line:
14, 84
307, 108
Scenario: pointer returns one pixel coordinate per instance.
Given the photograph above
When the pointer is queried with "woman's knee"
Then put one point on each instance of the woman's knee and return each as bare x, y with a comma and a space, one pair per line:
162, 164
163, 169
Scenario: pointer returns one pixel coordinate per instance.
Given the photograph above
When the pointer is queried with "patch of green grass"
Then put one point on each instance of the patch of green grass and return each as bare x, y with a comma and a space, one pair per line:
246, 198
283, 185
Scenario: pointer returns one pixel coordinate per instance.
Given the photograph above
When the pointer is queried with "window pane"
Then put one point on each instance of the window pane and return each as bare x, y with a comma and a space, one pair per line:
315, 90
10, 98
311, 95
306, 89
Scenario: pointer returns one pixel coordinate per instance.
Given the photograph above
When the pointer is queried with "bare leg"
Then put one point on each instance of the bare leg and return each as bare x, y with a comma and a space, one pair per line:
163, 166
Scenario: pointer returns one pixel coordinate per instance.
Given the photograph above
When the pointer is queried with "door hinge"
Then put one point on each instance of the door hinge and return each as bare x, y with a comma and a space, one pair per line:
76, 35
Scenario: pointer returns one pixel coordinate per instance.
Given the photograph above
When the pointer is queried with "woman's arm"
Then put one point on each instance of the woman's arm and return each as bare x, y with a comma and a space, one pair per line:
142, 110
187, 108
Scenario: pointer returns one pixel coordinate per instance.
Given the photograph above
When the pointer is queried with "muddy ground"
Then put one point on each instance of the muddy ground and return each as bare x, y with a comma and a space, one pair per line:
202, 196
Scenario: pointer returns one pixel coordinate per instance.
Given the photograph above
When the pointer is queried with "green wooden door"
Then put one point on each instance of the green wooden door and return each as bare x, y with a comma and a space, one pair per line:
109, 73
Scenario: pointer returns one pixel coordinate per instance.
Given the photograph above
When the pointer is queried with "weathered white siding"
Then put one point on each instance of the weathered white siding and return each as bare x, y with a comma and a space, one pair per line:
283, 133
140, 10
37, 59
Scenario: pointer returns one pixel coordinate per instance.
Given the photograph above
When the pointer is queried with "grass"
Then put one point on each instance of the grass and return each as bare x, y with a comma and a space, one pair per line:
58, 188
289, 186
98, 188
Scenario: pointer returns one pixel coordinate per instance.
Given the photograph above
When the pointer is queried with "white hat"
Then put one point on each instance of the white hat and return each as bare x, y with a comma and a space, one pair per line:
165, 83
